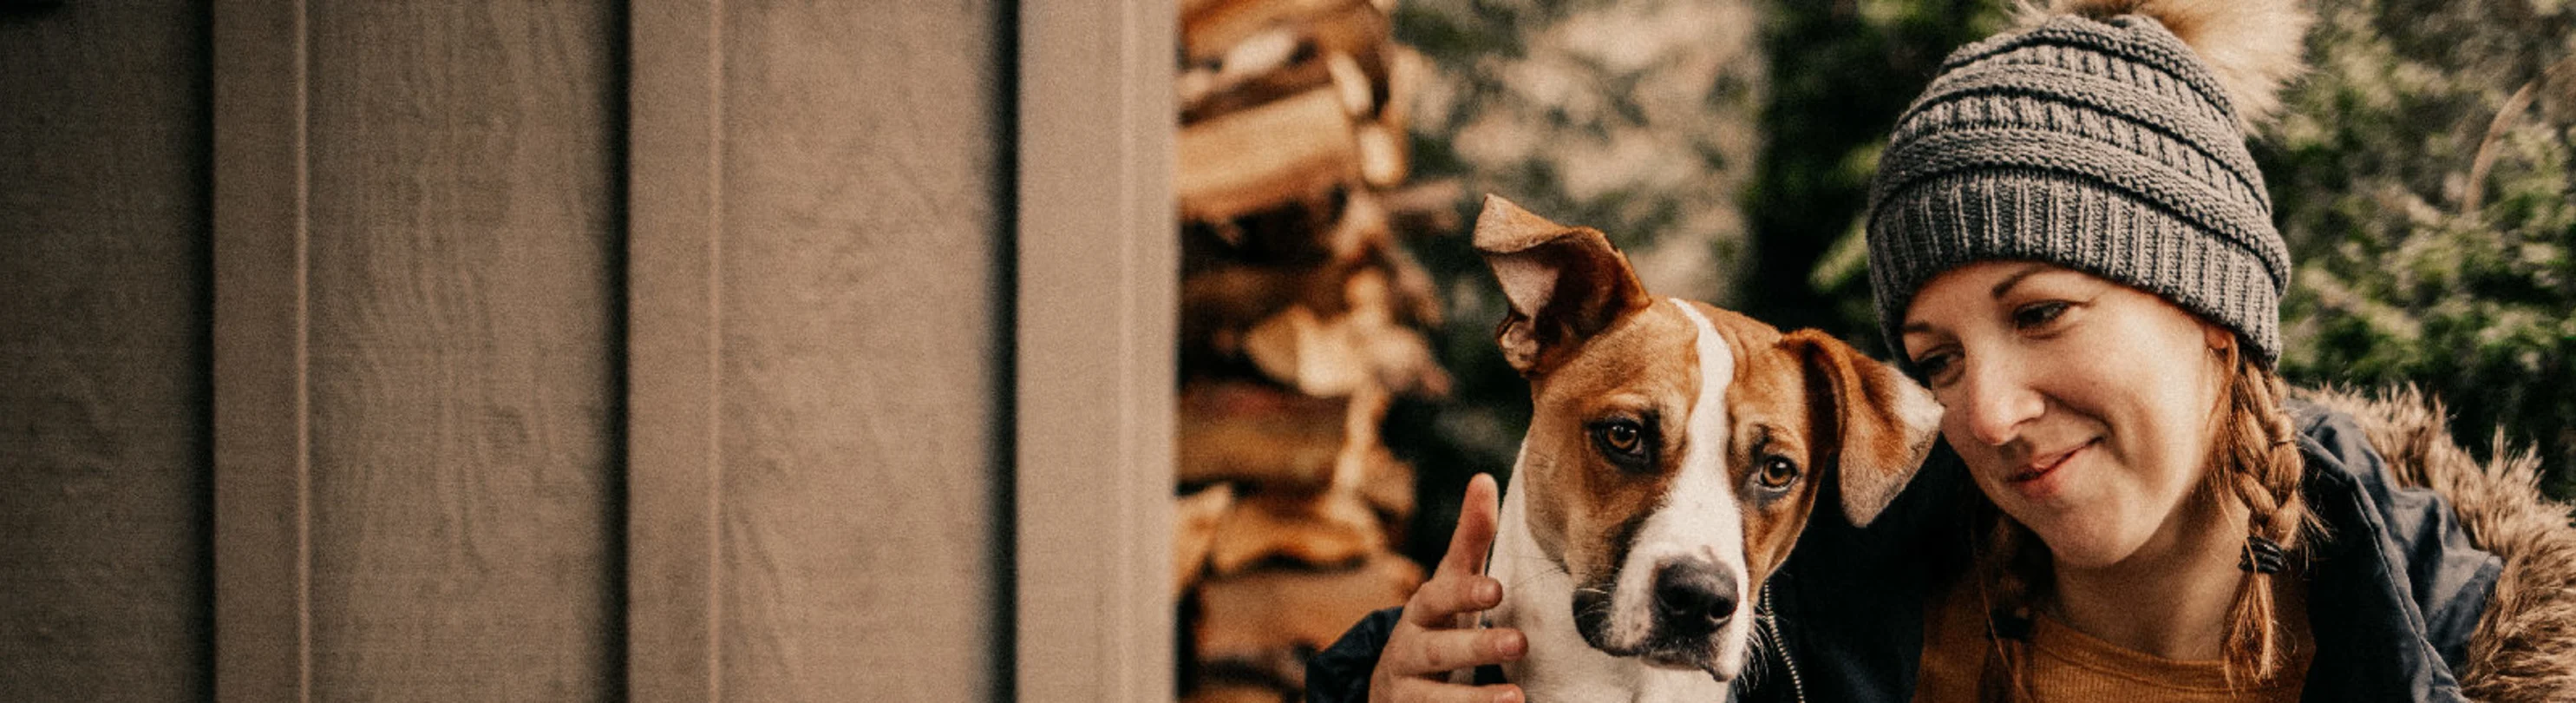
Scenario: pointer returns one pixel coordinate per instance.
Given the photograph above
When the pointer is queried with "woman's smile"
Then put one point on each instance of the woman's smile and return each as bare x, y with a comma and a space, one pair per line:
2043, 478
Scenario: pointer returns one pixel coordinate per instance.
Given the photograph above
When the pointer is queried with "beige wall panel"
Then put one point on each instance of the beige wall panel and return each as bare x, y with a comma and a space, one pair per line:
103, 440
860, 350
463, 270
1095, 296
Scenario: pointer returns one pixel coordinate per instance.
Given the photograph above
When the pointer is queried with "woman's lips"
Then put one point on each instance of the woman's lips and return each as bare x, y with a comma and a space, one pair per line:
2036, 479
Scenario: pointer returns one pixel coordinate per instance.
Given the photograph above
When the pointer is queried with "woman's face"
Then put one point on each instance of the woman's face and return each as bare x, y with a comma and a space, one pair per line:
2082, 407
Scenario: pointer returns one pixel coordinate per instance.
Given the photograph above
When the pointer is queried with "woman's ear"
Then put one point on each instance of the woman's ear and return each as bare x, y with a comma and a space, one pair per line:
2218, 337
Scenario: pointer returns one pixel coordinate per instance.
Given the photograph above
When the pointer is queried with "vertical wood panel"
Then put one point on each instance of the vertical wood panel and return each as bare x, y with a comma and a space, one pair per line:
103, 134
263, 644
861, 220
462, 288
675, 94
1097, 287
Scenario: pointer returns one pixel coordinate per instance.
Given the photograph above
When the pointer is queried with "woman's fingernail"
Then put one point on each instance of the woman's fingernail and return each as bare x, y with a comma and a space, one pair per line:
1511, 696
1489, 592
1510, 645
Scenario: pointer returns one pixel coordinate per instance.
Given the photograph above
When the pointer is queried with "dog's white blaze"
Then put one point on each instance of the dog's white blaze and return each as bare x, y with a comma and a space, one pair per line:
1699, 516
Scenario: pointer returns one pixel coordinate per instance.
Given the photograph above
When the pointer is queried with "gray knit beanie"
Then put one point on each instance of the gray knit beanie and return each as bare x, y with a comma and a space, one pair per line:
2104, 146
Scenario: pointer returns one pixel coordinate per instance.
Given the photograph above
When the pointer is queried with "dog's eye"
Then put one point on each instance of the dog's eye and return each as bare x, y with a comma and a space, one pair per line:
1623, 441
1621, 437
1778, 471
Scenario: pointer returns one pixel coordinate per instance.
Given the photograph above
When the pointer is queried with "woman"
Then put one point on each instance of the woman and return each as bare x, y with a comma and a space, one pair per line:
2074, 251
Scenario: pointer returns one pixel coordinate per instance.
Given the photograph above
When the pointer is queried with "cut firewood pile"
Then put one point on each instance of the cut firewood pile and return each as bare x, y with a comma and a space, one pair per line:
1302, 320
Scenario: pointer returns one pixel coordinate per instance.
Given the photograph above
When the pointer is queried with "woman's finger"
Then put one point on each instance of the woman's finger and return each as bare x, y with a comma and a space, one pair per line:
1440, 601
1459, 585
1438, 652
1474, 537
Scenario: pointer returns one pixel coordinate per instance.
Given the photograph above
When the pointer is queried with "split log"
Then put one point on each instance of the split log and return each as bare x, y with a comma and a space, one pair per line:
1329, 356
1429, 207
1358, 30
1360, 436
1415, 298
1209, 32
1220, 97
1246, 161
1269, 66
1248, 617
1406, 69
1323, 529
1383, 163
1195, 519
1362, 229
1352, 83
1246, 432
1387, 483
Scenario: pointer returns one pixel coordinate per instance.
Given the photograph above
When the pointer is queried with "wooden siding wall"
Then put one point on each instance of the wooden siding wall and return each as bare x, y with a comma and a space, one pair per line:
581, 350
103, 352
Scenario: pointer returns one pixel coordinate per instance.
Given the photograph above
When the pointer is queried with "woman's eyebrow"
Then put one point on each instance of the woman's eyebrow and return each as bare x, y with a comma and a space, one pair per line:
2006, 285
2001, 288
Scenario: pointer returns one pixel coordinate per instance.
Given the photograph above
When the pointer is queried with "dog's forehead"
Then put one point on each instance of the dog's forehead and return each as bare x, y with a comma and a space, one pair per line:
1746, 337
1653, 353
1767, 385
1647, 354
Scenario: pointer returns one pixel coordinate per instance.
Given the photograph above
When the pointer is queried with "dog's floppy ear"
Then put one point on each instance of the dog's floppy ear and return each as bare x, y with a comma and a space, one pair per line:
1884, 422
1564, 283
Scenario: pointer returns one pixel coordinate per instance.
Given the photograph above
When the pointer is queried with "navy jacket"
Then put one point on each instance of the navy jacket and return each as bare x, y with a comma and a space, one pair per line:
2395, 589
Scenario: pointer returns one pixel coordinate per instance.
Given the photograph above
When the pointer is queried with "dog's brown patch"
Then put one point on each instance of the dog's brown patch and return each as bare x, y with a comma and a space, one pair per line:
1642, 368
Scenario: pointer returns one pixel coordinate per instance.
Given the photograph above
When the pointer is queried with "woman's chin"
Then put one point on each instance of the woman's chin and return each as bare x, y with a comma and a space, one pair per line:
2084, 549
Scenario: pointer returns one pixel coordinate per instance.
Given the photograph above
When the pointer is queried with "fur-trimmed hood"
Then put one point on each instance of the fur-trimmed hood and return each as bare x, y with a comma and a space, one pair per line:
2524, 647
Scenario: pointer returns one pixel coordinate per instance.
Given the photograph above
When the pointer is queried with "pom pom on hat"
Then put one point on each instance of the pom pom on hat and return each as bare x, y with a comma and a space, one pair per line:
2252, 47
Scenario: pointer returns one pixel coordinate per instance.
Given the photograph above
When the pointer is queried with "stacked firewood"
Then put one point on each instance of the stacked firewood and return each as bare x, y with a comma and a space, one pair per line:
1300, 324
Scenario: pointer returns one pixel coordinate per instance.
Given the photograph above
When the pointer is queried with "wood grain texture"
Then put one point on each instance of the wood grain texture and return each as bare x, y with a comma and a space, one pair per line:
859, 328
103, 441
464, 390
674, 172
1098, 269
263, 458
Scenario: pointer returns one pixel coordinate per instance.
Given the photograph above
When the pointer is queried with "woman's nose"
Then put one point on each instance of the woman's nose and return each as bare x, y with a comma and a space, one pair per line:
1998, 400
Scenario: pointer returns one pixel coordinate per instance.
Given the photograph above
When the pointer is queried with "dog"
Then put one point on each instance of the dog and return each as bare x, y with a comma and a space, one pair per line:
1673, 454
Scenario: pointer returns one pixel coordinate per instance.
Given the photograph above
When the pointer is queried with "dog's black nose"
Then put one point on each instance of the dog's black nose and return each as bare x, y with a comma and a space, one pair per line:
1694, 597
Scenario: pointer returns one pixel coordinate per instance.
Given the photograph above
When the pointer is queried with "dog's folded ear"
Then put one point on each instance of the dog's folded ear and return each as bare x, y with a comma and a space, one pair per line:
1564, 283
1884, 422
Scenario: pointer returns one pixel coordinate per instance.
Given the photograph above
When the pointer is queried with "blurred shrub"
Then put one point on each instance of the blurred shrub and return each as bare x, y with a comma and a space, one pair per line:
2430, 212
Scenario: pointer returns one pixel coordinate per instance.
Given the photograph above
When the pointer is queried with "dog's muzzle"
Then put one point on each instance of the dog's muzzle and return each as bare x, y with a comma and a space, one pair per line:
1693, 600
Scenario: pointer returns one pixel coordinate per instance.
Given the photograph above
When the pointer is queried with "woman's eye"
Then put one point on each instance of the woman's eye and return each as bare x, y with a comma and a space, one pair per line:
2038, 314
1777, 472
1933, 366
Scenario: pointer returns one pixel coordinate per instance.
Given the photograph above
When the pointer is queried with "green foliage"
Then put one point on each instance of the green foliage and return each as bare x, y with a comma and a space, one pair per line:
1847, 69
2400, 277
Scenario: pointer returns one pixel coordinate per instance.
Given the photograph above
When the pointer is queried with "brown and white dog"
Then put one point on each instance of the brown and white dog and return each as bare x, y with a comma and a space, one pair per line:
1673, 453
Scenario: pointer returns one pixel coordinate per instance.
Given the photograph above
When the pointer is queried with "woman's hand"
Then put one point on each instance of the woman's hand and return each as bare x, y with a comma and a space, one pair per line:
1436, 634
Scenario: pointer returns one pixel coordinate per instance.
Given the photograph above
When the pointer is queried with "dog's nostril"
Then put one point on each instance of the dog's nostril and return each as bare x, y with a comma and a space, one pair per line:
1694, 597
